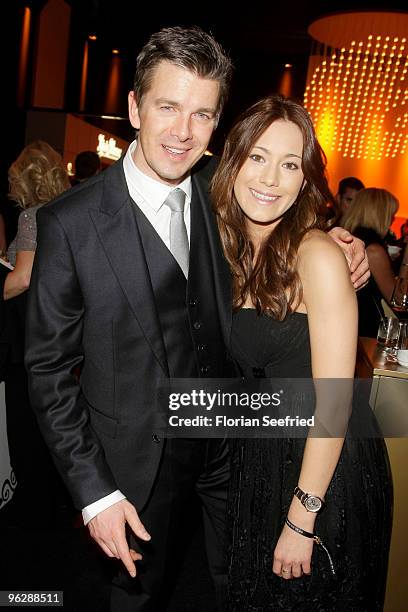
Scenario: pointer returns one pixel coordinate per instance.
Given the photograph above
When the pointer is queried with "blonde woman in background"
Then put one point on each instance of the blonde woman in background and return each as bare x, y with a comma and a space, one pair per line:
36, 177
369, 218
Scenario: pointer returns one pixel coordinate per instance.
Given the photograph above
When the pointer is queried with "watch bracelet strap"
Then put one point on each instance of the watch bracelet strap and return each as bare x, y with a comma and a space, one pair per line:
315, 537
302, 496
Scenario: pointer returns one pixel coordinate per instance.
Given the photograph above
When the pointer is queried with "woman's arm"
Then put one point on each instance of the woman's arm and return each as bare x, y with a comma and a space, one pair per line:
18, 280
380, 266
330, 301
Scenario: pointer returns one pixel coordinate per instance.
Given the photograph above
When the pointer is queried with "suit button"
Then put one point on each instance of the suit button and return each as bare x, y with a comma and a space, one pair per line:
193, 302
197, 325
201, 347
204, 370
156, 438
258, 372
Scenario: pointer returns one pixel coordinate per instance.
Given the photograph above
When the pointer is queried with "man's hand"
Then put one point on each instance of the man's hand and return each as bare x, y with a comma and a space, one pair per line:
355, 253
108, 529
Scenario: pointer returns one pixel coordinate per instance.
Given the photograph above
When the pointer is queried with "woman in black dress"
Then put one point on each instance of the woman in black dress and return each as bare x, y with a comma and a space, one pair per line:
296, 316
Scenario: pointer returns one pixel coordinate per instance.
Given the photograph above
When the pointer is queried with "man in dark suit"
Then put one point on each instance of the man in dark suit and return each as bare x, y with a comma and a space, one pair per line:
109, 294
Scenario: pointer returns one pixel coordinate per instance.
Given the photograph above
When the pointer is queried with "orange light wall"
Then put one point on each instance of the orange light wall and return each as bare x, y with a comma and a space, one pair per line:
84, 78
112, 103
357, 98
286, 83
82, 136
23, 64
391, 174
51, 55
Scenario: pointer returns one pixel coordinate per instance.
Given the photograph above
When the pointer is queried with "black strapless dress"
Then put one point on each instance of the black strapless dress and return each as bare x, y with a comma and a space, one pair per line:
356, 523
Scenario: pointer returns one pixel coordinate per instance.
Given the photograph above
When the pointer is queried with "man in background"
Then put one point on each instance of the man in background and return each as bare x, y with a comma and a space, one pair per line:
87, 164
348, 187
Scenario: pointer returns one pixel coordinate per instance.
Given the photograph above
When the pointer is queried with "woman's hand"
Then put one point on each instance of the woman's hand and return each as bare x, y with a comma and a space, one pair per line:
292, 555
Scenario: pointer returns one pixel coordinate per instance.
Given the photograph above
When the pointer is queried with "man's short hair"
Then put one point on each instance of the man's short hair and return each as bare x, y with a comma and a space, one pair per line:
187, 47
87, 163
350, 182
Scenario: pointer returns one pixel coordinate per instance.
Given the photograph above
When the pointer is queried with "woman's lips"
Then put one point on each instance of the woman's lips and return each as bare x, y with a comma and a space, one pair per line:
264, 197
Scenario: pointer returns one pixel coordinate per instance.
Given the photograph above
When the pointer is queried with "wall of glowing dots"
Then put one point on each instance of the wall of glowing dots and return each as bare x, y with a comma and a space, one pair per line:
357, 96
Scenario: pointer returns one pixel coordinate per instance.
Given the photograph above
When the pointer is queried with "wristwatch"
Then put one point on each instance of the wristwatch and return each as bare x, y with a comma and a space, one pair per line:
311, 502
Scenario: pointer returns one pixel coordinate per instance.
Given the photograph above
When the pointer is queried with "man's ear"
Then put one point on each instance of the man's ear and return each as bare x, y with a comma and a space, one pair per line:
133, 110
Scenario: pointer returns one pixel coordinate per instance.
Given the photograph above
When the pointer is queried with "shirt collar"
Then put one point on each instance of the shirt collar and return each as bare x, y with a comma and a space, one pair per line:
151, 191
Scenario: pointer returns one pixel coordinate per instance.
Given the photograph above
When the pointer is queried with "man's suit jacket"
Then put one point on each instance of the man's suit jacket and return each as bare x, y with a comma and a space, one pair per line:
91, 307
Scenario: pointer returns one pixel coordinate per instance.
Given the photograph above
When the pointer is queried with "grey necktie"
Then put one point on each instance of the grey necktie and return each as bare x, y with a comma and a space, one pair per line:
178, 231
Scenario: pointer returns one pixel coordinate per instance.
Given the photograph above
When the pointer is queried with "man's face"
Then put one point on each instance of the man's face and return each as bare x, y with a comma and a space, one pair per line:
175, 118
347, 198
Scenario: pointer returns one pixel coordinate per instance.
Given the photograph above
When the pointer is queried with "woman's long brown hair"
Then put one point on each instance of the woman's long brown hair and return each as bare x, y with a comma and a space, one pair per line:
272, 281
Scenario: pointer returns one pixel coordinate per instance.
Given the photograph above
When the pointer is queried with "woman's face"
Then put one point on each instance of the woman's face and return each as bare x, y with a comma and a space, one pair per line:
271, 177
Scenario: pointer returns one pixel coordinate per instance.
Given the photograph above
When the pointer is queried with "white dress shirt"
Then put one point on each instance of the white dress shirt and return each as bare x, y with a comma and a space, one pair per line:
149, 195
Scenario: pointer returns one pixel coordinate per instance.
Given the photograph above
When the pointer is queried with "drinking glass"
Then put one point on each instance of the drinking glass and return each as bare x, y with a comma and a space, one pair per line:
399, 299
402, 346
387, 334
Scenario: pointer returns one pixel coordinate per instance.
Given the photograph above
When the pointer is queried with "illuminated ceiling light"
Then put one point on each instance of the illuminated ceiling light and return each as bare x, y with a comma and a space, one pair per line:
115, 51
92, 37
340, 116
288, 65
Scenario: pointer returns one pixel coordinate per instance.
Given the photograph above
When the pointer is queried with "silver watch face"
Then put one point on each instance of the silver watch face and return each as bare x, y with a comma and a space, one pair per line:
313, 504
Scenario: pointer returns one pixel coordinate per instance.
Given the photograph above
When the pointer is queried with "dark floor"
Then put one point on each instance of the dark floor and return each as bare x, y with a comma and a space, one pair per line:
65, 558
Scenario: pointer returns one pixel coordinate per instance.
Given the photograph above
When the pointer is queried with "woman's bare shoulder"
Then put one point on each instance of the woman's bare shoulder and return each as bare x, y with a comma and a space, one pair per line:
317, 246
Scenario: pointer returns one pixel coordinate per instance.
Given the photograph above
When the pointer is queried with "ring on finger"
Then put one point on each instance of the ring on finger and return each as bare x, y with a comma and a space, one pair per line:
286, 571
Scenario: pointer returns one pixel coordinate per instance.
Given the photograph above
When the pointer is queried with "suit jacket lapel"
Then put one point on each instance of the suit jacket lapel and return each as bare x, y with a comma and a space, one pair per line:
222, 274
117, 229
